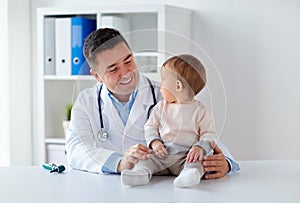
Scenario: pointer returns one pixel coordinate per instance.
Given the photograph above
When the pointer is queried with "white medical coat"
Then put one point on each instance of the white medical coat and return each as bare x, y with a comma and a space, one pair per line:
84, 150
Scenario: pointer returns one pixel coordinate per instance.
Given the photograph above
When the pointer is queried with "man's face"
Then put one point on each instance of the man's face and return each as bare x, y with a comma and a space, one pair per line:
117, 70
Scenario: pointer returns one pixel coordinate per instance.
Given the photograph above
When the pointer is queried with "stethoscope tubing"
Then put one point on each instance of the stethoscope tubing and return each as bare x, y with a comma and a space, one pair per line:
102, 134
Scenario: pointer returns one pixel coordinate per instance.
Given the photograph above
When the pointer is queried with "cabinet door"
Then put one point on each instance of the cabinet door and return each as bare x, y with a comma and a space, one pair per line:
55, 153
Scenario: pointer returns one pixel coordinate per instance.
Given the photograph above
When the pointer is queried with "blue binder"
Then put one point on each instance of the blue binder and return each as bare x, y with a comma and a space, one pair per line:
81, 28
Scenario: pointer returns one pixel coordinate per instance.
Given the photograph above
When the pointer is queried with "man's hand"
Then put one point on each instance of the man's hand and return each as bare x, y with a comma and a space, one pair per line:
215, 163
195, 154
132, 155
159, 149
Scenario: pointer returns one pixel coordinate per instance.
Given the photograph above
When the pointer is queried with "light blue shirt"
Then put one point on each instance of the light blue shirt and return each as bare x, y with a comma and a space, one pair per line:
123, 108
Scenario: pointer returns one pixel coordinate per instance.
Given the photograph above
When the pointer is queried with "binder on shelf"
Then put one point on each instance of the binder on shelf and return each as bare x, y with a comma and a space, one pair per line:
119, 22
49, 46
81, 28
63, 46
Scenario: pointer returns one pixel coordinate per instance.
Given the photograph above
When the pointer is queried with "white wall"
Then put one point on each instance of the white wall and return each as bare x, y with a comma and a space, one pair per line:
20, 82
15, 86
255, 45
4, 85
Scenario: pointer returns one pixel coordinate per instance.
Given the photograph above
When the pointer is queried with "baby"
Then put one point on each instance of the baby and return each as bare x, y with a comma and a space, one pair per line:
179, 129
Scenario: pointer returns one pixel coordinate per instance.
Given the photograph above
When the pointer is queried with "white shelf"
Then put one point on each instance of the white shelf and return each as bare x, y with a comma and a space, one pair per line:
57, 140
72, 77
149, 30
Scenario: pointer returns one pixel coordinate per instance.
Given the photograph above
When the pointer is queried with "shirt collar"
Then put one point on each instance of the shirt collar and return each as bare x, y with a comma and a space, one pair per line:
121, 104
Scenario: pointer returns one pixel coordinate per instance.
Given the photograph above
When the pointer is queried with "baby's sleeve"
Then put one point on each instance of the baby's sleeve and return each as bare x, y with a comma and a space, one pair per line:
206, 129
152, 125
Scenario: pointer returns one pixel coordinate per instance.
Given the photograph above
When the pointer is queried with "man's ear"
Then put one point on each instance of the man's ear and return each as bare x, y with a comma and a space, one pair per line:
178, 86
96, 75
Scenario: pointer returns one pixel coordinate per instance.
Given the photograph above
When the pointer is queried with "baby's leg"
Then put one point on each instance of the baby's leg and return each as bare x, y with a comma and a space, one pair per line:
135, 177
190, 175
141, 173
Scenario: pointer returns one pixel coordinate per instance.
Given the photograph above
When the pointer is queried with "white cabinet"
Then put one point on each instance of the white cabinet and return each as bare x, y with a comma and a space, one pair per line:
154, 33
55, 152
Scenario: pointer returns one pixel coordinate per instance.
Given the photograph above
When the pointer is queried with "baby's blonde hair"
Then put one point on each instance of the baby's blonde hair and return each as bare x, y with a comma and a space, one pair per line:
190, 69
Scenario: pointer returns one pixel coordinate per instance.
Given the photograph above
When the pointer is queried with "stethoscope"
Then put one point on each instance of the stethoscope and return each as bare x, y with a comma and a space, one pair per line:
102, 134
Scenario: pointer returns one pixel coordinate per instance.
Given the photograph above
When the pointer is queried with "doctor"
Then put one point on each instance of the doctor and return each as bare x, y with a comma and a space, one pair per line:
106, 133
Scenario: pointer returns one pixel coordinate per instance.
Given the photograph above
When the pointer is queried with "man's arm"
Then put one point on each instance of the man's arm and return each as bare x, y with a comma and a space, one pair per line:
82, 152
219, 163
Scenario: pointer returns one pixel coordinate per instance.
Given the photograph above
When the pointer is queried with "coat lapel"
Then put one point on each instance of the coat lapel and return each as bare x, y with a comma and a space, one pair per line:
143, 100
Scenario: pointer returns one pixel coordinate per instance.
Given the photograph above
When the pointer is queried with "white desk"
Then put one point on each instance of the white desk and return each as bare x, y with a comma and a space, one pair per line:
258, 181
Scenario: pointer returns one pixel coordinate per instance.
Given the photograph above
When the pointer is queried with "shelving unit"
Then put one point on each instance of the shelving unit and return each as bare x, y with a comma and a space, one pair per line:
153, 32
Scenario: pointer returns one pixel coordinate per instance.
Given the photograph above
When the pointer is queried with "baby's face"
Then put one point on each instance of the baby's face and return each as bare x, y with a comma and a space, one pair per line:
168, 84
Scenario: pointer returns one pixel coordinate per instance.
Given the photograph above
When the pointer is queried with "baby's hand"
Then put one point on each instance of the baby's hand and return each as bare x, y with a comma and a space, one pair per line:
159, 149
195, 154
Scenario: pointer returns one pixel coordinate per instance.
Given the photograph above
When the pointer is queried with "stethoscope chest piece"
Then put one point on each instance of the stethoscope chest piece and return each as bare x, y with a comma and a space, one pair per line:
102, 136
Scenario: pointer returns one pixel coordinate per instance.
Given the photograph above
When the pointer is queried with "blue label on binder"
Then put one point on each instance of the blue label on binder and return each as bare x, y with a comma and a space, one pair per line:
81, 28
